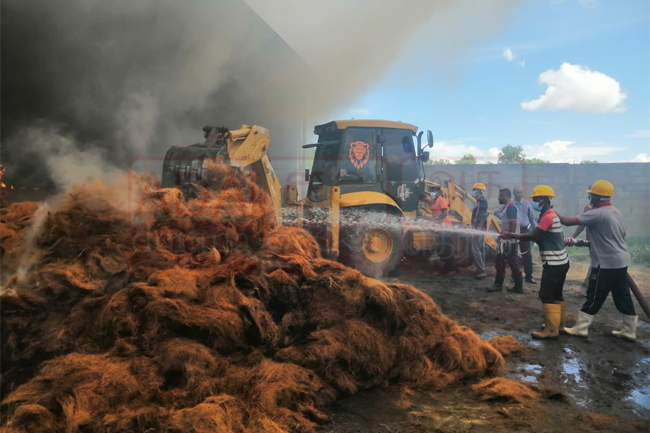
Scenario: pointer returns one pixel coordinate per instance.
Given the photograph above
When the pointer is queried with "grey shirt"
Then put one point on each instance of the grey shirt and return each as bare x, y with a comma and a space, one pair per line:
606, 229
510, 213
526, 216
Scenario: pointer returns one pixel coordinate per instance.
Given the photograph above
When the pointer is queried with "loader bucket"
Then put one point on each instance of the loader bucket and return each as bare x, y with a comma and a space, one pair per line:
184, 165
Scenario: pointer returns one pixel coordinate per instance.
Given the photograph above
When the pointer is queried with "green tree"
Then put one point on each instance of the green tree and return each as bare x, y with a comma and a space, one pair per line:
589, 161
512, 154
536, 161
438, 162
467, 159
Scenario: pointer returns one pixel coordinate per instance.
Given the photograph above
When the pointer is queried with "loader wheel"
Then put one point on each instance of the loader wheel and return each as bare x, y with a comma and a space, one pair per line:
373, 251
377, 245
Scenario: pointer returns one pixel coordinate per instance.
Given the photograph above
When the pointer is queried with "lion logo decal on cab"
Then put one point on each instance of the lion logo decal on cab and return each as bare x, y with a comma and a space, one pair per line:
359, 153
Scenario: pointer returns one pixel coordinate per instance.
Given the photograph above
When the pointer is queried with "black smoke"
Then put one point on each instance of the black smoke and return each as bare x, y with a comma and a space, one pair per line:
131, 78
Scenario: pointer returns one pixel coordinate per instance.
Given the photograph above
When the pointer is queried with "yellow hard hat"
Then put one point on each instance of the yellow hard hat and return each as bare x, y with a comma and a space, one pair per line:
543, 191
602, 188
479, 186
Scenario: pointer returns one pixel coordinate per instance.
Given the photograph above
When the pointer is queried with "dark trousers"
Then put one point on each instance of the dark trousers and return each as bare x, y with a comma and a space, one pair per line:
446, 254
526, 253
510, 256
603, 281
553, 277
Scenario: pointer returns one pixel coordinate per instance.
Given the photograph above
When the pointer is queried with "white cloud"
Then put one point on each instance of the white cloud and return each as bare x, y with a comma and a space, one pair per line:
578, 88
642, 157
509, 55
455, 149
565, 151
644, 133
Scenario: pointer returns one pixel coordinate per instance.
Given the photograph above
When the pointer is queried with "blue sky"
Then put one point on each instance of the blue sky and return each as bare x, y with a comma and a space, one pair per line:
598, 52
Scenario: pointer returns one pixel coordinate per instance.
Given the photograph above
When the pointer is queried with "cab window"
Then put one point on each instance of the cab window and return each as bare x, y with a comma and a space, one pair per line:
399, 158
358, 156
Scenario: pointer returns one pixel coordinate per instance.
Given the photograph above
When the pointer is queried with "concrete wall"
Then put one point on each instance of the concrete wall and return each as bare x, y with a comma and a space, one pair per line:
569, 181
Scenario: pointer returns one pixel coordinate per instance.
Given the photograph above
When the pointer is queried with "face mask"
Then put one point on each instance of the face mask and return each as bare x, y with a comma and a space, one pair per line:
476, 194
536, 207
433, 195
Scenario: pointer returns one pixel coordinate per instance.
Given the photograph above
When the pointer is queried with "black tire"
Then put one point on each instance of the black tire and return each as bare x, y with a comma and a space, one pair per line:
373, 249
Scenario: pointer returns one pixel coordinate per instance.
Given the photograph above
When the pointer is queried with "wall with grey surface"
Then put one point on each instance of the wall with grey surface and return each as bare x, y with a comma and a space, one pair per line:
569, 181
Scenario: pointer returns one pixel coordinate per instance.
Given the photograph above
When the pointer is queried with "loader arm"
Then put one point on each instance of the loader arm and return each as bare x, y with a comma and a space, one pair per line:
248, 147
461, 213
456, 196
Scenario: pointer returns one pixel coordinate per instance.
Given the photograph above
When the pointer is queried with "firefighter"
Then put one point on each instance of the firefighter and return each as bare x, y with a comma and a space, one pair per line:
609, 262
548, 235
508, 248
479, 222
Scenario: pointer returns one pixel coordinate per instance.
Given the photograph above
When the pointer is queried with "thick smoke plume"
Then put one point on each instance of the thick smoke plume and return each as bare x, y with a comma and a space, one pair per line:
89, 84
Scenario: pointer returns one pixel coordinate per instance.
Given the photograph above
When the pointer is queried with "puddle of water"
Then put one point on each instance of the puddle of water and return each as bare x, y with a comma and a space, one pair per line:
570, 366
534, 368
641, 397
529, 379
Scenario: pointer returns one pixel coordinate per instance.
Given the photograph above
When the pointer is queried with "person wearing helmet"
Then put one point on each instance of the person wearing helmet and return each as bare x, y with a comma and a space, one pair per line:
479, 222
609, 262
508, 248
548, 235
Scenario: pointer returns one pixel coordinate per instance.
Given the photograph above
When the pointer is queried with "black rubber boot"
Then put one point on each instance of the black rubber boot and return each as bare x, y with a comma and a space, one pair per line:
497, 286
519, 285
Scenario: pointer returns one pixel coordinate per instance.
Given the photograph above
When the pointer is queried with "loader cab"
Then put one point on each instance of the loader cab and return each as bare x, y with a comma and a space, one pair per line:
368, 156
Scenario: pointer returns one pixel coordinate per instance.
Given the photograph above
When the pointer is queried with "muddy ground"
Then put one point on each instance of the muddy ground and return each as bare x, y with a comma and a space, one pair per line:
603, 382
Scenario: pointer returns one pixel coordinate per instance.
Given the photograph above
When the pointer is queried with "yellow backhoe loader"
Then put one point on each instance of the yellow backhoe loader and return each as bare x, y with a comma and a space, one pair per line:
364, 188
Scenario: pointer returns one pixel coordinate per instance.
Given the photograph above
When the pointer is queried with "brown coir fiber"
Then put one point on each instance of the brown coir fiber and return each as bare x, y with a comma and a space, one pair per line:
206, 315
507, 345
499, 388
15, 219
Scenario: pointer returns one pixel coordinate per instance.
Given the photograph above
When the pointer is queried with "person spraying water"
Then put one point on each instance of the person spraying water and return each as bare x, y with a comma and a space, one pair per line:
609, 262
548, 235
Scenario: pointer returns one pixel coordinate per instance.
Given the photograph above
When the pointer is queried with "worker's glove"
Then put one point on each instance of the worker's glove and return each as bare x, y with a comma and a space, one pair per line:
569, 241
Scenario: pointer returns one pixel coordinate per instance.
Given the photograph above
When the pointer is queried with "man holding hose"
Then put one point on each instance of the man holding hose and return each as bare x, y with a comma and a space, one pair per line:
609, 262
548, 235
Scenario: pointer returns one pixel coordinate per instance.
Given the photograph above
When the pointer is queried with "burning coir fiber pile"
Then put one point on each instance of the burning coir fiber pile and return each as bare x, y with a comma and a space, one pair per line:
201, 316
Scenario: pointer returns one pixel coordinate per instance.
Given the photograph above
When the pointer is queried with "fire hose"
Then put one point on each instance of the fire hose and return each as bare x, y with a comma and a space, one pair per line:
570, 242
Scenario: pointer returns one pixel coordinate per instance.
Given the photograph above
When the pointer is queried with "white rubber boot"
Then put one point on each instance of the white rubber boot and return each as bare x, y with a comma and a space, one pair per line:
581, 328
629, 328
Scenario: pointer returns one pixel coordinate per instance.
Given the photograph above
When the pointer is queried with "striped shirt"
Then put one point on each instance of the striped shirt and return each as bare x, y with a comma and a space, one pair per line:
551, 241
